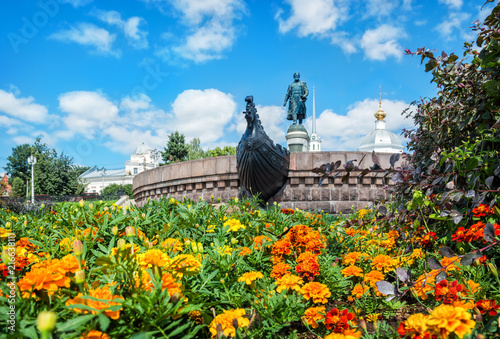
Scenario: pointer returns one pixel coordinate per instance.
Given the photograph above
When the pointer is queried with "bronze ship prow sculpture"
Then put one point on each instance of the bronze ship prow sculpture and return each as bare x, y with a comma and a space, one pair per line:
262, 165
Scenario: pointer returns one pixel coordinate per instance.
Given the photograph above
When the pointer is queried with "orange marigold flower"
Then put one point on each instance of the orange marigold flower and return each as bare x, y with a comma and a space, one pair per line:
225, 320
314, 314
244, 251
482, 210
372, 277
319, 293
338, 320
259, 242
279, 270
472, 287
103, 294
93, 334
351, 258
383, 263
446, 319
414, 327
250, 277
298, 235
352, 271
358, 291
152, 258
450, 263
68, 263
281, 247
488, 306
47, 279
425, 284
351, 335
167, 282
289, 282
448, 291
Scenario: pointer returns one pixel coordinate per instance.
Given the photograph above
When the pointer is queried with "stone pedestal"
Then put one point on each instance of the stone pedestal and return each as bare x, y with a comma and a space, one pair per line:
297, 139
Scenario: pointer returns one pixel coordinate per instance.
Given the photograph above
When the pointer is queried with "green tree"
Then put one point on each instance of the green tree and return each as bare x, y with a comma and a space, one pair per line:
227, 150
195, 151
54, 174
176, 149
114, 188
18, 187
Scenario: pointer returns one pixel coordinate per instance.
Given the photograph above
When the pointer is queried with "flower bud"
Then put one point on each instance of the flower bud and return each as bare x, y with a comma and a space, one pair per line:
194, 247
42, 206
218, 199
493, 269
114, 230
212, 197
150, 244
25, 223
91, 206
78, 248
6, 258
200, 247
176, 297
129, 231
236, 200
81, 203
7, 224
234, 241
46, 321
80, 277
106, 208
121, 244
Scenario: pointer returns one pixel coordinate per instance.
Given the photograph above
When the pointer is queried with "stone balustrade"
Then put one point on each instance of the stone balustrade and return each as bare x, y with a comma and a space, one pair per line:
218, 177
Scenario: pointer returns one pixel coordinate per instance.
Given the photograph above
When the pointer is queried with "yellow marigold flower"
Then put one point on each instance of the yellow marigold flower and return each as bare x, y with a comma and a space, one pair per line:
372, 277
196, 317
224, 250
244, 251
316, 291
93, 334
66, 244
152, 258
42, 278
210, 229
415, 325
116, 250
467, 304
184, 263
383, 263
289, 282
250, 277
352, 271
351, 335
314, 314
98, 293
358, 291
172, 244
234, 225
393, 234
446, 319
225, 320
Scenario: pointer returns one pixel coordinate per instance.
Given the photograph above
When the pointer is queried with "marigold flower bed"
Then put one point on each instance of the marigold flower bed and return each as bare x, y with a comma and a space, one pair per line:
184, 269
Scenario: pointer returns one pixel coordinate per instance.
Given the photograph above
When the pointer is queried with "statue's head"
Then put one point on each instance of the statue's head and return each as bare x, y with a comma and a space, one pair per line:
296, 76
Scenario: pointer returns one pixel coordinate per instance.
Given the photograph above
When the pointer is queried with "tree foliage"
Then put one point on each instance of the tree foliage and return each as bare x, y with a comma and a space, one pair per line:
195, 151
114, 188
176, 149
226, 150
18, 187
455, 145
54, 174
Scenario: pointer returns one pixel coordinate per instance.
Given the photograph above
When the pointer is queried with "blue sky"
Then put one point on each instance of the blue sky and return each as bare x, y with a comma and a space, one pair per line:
97, 78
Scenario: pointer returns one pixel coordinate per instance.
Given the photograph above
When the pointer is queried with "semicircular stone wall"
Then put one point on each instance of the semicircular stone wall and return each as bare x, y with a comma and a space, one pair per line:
218, 177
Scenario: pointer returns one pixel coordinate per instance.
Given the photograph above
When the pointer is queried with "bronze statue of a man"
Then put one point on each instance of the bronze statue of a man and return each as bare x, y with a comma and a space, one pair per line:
297, 94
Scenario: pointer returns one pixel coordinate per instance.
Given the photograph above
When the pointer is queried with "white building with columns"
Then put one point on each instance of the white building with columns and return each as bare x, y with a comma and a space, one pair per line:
143, 159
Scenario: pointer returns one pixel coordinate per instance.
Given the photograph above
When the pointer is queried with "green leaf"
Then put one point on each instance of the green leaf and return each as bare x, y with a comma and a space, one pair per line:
75, 323
103, 322
471, 164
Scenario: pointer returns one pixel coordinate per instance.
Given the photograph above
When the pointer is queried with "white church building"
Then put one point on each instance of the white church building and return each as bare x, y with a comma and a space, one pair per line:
143, 159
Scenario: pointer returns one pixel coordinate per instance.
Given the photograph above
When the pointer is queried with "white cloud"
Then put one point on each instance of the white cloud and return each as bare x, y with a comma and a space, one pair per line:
211, 30
455, 21
203, 113
8, 122
22, 139
124, 139
23, 108
380, 8
89, 35
207, 42
87, 111
380, 43
195, 11
135, 104
341, 39
453, 4
314, 17
345, 132
130, 27
76, 3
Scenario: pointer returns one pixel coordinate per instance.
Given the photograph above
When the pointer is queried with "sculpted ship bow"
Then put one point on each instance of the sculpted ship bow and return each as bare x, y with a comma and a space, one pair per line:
262, 165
